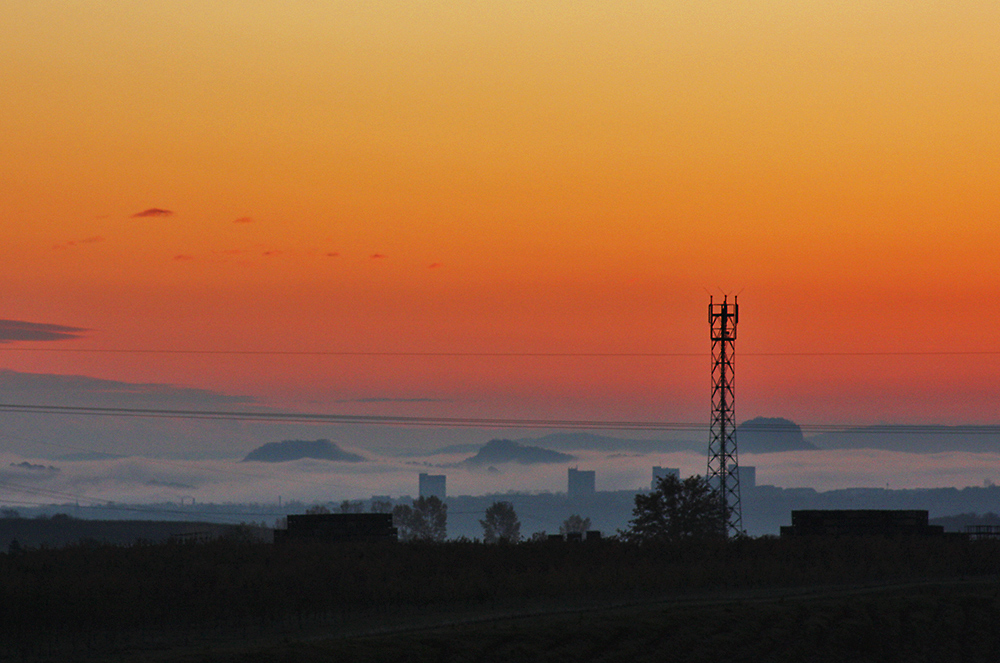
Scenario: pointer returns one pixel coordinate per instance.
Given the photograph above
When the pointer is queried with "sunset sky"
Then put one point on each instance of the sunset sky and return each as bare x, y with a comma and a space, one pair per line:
509, 177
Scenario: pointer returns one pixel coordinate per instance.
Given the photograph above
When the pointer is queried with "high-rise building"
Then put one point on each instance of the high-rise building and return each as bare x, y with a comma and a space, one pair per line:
580, 482
432, 485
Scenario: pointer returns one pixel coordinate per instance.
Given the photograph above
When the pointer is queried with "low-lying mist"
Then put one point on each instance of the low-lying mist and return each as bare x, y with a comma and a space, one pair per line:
31, 481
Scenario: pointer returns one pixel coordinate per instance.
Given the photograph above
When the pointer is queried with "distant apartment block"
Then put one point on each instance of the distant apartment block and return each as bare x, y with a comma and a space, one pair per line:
661, 472
748, 477
581, 483
433, 485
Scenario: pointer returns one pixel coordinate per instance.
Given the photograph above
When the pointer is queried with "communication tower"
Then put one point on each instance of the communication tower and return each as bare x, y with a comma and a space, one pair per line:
723, 467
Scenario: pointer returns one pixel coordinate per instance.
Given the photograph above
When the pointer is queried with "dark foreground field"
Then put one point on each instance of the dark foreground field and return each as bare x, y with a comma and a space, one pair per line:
956, 621
755, 600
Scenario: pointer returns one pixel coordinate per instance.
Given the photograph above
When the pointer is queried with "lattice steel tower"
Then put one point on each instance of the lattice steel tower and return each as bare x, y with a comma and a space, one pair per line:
723, 468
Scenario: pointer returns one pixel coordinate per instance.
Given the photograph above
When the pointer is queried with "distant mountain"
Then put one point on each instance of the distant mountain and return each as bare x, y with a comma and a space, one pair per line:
583, 442
453, 449
592, 442
35, 468
281, 452
770, 435
508, 451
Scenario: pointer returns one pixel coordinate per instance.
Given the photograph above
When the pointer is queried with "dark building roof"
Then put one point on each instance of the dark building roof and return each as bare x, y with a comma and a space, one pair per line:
339, 527
861, 522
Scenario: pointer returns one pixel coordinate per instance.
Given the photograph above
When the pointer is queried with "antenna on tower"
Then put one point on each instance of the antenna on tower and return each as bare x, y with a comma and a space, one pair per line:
723, 467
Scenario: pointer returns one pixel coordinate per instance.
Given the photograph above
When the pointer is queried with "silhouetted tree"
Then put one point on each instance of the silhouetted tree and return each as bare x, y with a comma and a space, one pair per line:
574, 523
501, 524
347, 506
427, 520
381, 506
677, 510
434, 518
317, 509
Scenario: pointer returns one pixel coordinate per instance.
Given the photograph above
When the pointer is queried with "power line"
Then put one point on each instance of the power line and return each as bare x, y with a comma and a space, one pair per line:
403, 353
350, 353
477, 422
318, 418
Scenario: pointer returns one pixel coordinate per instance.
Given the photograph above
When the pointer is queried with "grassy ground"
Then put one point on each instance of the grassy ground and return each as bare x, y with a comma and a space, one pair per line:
933, 621
761, 600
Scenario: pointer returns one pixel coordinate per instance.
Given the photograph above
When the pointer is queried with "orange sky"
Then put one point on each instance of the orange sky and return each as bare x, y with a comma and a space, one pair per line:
544, 176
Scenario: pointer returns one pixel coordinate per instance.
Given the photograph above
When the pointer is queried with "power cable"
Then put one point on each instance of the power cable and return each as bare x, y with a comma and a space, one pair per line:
476, 422
499, 354
315, 418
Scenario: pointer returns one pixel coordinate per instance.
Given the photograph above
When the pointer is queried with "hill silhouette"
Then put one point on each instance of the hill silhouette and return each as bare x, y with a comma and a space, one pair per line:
288, 450
508, 451
578, 441
770, 435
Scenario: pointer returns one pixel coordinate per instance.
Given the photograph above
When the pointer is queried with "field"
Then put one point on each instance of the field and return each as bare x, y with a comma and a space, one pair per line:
947, 621
755, 600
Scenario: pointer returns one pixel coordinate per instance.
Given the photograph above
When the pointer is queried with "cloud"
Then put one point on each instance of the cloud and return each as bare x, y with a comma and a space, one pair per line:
182, 258
272, 253
434, 265
398, 400
18, 330
78, 242
83, 390
332, 254
377, 256
52, 435
152, 211
243, 219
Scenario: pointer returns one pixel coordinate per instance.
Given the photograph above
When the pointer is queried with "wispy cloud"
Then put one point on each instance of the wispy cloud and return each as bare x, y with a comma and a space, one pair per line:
377, 256
152, 212
434, 265
79, 242
397, 400
183, 258
243, 219
332, 254
273, 252
18, 330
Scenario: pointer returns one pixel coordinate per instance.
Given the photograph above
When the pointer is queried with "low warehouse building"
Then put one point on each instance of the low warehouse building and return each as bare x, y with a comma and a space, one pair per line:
861, 522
